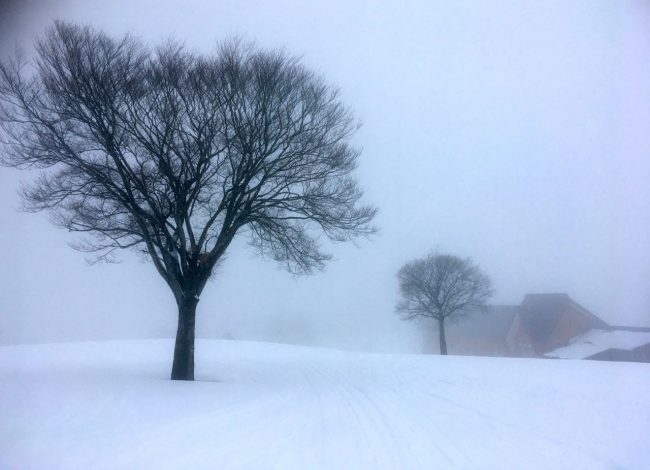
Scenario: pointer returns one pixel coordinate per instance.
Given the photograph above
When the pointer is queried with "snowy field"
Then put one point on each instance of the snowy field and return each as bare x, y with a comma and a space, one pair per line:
109, 405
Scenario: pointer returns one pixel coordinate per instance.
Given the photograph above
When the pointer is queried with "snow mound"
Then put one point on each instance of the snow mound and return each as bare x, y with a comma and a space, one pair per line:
110, 405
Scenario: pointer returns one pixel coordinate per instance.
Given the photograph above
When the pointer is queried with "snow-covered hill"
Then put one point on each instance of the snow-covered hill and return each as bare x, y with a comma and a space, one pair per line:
260, 406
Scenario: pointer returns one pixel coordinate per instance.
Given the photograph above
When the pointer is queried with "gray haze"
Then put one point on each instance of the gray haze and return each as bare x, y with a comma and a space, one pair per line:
516, 133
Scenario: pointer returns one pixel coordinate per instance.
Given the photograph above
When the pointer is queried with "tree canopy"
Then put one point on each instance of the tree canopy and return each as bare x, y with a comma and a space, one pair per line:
439, 286
173, 153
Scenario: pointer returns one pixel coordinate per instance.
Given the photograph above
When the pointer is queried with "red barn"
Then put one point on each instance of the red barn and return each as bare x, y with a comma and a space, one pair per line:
542, 325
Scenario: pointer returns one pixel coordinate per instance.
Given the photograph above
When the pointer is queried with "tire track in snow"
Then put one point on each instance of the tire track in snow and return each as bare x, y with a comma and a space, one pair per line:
381, 424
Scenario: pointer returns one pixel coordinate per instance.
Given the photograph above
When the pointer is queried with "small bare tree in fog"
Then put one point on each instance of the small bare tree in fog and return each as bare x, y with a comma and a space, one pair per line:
441, 286
173, 154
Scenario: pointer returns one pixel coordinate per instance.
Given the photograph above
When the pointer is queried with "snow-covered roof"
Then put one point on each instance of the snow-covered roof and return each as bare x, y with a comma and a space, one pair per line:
595, 341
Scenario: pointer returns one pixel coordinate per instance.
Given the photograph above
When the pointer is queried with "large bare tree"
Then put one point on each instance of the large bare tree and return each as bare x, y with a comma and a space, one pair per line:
441, 286
173, 154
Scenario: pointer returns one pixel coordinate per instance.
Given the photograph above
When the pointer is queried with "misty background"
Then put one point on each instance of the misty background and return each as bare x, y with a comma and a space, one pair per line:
515, 133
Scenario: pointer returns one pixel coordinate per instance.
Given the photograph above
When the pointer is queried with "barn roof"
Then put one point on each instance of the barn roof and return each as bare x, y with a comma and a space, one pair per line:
540, 314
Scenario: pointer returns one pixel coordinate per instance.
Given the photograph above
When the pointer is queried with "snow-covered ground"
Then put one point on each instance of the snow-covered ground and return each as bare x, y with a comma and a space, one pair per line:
262, 406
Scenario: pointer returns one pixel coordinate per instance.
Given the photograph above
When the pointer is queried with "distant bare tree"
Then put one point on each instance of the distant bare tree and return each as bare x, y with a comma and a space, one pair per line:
441, 286
173, 154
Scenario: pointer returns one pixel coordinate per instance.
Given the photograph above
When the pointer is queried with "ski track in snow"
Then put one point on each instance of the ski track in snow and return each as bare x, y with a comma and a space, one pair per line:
256, 405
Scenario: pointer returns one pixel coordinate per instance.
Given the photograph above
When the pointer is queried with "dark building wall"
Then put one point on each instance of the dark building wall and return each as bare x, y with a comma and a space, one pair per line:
518, 341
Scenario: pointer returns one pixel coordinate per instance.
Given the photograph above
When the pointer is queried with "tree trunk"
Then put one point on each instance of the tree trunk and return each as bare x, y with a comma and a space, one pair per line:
443, 340
183, 366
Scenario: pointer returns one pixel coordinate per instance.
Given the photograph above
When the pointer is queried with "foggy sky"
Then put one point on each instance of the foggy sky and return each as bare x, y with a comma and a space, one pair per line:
515, 133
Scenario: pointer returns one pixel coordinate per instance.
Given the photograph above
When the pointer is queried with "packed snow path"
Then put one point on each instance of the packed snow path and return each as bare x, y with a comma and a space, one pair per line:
259, 406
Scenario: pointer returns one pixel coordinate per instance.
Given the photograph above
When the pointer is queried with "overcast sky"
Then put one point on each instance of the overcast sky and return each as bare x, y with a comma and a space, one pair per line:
516, 133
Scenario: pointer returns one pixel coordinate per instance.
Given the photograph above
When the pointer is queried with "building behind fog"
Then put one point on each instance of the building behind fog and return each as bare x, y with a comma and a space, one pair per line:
546, 325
